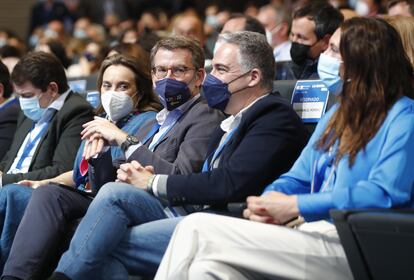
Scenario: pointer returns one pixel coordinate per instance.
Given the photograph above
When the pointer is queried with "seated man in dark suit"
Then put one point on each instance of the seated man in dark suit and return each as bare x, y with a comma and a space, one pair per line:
312, 26
47, 136
174, 143
9, 110
259, 141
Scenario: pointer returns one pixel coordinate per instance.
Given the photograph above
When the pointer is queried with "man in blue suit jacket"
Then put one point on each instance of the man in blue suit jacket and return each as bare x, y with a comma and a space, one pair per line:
259, 141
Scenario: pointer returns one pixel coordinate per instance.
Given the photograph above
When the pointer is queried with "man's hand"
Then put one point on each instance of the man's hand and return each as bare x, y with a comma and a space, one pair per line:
273, 207
135, 174
102, 128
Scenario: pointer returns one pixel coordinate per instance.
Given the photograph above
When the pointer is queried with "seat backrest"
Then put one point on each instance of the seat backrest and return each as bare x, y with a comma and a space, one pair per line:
285, 88
379, 244
352, 250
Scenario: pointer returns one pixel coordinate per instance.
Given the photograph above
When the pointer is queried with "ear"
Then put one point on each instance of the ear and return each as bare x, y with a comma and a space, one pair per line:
255, 77
284, 29
200, 74
53, 88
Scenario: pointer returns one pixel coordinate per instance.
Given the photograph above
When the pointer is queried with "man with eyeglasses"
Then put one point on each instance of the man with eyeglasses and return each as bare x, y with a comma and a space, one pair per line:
259, 141
175, 143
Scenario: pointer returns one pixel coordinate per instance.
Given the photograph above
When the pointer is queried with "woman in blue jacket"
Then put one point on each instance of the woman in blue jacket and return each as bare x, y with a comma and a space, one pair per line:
127, 103
360, 156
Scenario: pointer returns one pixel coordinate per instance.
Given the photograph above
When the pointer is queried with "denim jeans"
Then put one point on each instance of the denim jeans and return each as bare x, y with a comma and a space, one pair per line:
106, 228
139, 253
13, 202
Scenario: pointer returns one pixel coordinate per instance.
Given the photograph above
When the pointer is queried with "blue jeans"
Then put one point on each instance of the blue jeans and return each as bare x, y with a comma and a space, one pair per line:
139, 253
13, 202
106, 228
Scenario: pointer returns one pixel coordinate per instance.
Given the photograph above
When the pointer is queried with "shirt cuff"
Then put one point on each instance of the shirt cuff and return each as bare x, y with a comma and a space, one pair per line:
159, 187
315, 206
131, 149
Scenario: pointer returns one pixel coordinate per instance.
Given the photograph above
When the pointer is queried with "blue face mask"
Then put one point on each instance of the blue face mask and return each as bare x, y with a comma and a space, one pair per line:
217, 93
31, 108
328, 71
172, 93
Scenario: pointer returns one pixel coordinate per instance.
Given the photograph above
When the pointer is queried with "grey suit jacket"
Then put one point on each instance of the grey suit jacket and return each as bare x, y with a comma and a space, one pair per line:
181, 151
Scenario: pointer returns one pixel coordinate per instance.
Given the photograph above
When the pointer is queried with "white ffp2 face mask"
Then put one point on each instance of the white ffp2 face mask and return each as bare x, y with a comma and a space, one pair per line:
116, 104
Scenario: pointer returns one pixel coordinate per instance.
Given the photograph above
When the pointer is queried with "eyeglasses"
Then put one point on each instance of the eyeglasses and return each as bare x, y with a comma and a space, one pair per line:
160, 72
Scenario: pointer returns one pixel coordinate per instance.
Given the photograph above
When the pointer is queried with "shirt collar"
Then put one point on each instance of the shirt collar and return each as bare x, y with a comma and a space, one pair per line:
58, 103
163, 114
233, 121
10, 99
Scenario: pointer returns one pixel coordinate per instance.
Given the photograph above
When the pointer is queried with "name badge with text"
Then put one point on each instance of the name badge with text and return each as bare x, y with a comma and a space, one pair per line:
309, 100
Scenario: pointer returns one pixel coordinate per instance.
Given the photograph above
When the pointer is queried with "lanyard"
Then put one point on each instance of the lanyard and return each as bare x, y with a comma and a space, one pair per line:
217, 152
319, 174
155, 129
30, 144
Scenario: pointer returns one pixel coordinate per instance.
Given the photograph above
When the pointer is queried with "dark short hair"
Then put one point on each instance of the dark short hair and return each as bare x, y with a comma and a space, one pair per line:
251, 23
181, 42
9, 51
5, 80
40, 69
254, 52
327, 19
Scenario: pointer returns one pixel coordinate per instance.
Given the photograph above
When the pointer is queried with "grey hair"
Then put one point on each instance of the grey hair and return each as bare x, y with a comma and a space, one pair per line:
254, 52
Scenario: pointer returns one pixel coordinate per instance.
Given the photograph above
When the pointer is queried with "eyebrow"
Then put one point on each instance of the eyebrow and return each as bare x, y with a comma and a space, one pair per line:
216, 65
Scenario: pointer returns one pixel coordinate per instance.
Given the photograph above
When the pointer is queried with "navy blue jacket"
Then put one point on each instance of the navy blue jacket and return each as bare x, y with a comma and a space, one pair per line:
267, 142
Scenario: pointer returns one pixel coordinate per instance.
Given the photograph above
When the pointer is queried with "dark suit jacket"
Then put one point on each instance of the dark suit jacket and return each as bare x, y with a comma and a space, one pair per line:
8, 123
181, 151
267, 142
288, 70
57, 149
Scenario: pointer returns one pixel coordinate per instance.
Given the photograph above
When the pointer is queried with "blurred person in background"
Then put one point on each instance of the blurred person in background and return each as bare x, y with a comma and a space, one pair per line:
9, 111
90, 61
277, 21
401, 7
405, 27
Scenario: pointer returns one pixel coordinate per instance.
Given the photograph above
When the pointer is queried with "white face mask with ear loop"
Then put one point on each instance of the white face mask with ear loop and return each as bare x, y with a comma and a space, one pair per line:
117, 104
269, 33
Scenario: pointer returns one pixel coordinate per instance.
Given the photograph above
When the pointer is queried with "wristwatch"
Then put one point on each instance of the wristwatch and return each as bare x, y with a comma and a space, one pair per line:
130, 140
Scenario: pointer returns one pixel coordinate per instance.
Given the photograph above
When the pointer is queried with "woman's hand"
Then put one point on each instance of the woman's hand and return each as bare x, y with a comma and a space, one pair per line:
273, 207
103, 128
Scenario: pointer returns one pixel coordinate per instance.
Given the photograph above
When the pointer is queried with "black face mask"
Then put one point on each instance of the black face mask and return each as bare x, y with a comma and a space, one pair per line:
299, 52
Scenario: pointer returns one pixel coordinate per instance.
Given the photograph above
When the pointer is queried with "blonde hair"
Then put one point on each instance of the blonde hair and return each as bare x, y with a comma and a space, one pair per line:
405, 27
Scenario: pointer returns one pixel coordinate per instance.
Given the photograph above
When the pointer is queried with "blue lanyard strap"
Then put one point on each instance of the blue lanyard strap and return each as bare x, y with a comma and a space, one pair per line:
151, 133
218, 151
156, 127
30, 144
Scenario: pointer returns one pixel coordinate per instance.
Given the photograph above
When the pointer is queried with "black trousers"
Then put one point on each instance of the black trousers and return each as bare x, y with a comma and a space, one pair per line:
45, 231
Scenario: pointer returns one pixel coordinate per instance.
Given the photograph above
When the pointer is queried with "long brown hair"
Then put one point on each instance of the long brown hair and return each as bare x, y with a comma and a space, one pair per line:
377, 73
147, 100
